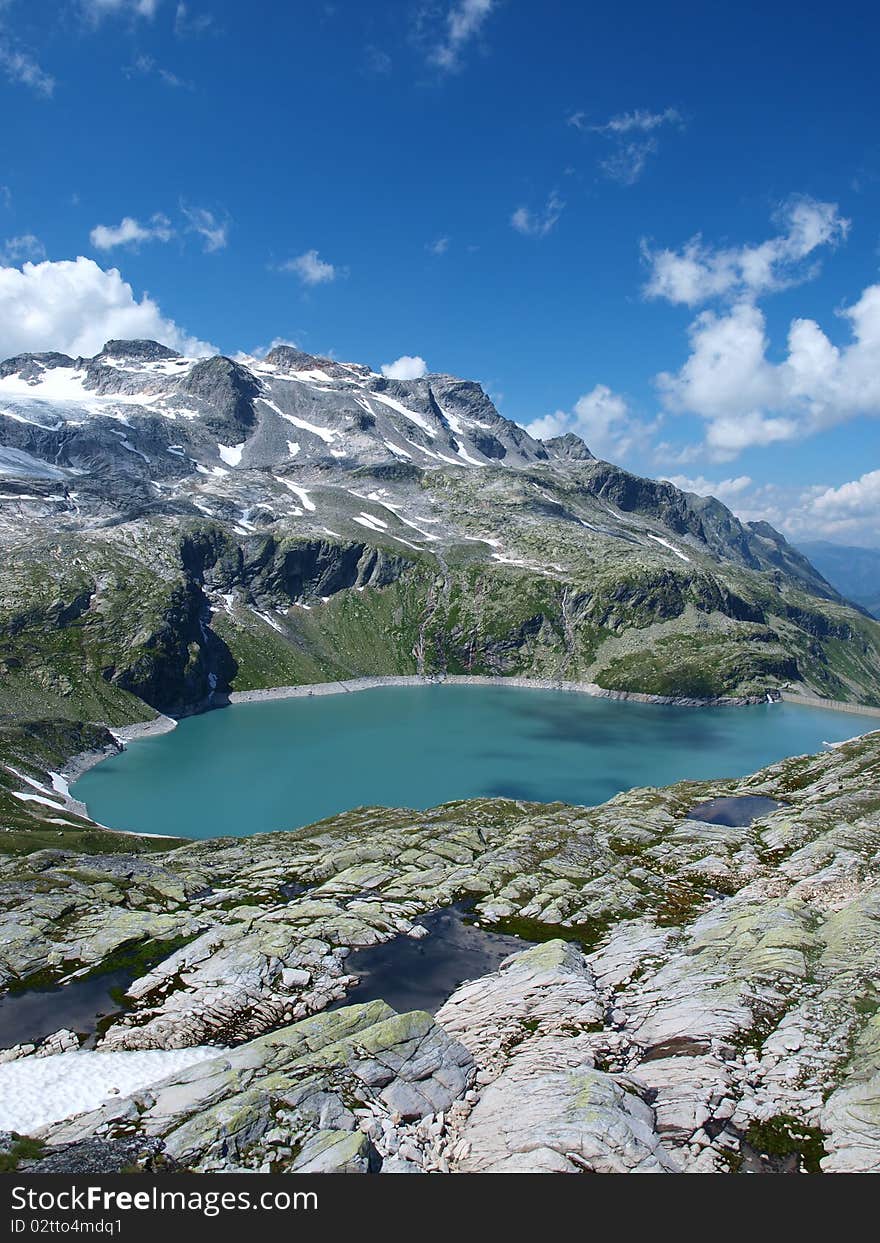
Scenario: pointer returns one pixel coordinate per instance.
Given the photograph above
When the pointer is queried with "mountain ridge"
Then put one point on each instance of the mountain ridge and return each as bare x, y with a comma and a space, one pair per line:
226, 392
175, 529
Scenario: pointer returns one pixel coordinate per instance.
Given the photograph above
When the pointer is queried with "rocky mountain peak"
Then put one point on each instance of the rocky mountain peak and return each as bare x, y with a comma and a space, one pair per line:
31, 366
289, 358
140, 350
245, 440
570, 446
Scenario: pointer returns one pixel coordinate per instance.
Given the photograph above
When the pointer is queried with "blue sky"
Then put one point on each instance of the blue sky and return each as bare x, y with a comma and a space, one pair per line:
612, 219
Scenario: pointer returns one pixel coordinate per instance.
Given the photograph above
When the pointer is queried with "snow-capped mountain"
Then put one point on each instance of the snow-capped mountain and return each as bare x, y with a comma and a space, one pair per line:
287, 409
174, 527
141, 429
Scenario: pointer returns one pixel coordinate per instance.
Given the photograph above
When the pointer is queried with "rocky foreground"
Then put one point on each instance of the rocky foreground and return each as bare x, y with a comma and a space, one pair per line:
702, 997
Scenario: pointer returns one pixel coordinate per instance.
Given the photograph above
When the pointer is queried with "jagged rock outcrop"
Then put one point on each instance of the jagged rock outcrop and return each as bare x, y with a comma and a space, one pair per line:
291, 1101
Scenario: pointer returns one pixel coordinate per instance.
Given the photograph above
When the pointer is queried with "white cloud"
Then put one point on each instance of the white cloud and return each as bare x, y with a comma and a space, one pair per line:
851, 501
847, 513
628, 162
146, 66
214, 232
20, 67
96, 10
697, 272
130, 232
463, 22
188, 24
538, 224
310, 268
602, 418
18, 249
407, 367
74, 306
748, 400
634, 135
639, 121
439, 246
725, 490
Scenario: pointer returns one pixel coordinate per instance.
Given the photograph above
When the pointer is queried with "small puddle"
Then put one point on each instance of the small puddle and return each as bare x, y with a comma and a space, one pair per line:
736, 811
83, 1006
411, 974
293, 889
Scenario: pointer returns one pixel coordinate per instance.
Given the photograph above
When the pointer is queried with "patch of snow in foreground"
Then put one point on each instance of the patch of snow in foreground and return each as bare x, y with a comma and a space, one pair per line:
35, 1091
666, 544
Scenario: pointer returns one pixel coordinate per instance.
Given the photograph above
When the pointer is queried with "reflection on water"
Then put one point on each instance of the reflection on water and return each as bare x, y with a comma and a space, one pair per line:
412, 974
735, 811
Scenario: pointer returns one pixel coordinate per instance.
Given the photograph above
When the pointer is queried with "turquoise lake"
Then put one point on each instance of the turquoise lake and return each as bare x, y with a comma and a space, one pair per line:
288, 762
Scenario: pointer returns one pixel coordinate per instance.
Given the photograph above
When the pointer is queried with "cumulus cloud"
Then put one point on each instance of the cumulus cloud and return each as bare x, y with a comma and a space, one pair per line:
852, 508
74, 306
20, 67
407, 367
603, 419
463, 22
847, 513
538, 224
439, 246
310, 268
698, 273
748, 400
130, 232
213, 231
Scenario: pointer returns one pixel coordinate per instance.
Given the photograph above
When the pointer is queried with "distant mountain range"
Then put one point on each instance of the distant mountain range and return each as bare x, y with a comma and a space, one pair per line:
855, 572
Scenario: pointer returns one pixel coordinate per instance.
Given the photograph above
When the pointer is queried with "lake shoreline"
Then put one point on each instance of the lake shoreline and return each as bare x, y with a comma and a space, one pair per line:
82, 762
592, 689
